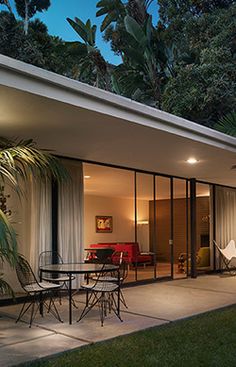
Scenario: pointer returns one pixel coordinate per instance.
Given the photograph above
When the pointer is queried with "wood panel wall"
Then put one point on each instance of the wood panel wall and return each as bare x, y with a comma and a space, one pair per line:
163, 226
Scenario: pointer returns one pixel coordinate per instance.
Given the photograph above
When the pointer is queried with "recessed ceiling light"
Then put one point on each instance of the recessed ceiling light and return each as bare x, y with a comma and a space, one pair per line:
87, 176
192, 160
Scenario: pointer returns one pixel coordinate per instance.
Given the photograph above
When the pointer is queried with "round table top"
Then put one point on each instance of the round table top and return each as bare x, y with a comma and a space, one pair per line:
78, 268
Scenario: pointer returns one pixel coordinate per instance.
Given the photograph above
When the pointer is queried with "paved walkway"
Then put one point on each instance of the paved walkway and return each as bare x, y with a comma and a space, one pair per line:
149, 305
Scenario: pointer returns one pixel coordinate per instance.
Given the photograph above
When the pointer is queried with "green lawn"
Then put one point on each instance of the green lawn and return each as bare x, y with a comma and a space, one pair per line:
206, 340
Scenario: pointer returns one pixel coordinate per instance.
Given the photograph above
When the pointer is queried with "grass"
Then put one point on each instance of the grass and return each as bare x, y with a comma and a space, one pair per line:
207, 340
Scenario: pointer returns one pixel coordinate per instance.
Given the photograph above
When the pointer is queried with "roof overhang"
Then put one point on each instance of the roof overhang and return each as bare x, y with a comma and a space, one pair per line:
76, 120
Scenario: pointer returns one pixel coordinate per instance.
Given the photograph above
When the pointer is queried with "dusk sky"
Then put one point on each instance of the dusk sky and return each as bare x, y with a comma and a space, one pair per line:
55, 19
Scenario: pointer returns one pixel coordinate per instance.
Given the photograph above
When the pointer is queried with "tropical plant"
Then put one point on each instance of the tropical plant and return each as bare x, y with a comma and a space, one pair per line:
92, 66
26, 9
113, 23
113, 10
18, 159
145, 58
227, 124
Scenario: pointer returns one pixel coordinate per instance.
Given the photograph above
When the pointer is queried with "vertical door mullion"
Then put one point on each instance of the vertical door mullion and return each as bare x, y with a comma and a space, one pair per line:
214, 224
193, 219
172, 227
155, 226
135, 221
54, 215
187, 228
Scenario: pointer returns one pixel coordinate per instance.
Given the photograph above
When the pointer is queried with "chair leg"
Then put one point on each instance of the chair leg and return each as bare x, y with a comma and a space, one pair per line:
230, 270
122, 299
102, 311
73, 301
52, 308
115, 309
23, 310
92, 301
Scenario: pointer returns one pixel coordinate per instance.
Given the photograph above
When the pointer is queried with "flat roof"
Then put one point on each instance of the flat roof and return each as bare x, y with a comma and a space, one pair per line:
77, 120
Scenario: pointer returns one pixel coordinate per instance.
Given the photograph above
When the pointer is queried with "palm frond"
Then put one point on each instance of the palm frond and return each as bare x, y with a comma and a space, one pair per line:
227, 124
5, 288
17, 159
8, 243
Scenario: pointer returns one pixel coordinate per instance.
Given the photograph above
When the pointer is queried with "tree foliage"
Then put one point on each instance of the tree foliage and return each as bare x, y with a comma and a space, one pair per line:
185, 64
142, 73
92, 67
204, 86
227, 124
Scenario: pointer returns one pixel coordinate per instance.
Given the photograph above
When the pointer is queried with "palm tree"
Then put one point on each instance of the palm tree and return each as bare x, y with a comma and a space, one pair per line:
145, 62
145, 57
28, 8
18, 159
227, 124
91, 64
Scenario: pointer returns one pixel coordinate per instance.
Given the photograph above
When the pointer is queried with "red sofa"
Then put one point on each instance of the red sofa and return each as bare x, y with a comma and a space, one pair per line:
131, 251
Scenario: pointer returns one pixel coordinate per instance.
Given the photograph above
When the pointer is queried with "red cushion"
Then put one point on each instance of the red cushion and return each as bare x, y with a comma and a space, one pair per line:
130, 250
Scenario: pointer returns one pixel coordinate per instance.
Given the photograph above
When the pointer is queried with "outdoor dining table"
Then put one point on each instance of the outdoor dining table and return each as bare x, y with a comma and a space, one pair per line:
78, 268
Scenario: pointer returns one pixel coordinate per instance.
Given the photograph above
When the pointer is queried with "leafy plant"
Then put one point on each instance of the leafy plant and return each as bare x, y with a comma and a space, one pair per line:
227, 124
18, 159
92, 67
26, 9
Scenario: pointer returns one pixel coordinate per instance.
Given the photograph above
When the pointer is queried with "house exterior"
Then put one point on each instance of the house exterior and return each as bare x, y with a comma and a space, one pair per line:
128, 162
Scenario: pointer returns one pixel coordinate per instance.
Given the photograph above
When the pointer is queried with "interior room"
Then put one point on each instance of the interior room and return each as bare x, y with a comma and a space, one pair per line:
140, 207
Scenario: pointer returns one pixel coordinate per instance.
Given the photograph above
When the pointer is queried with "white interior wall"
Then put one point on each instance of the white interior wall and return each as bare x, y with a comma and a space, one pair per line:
143, 228
122, 212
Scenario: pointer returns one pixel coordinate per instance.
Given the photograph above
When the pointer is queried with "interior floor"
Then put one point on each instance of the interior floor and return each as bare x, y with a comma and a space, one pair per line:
163, 269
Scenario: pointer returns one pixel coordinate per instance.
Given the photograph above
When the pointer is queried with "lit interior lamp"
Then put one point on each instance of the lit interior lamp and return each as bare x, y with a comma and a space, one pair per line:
192, 160
87, 177
142, 222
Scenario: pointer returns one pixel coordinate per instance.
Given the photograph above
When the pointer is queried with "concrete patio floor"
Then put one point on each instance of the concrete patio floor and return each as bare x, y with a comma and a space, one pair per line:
149, 305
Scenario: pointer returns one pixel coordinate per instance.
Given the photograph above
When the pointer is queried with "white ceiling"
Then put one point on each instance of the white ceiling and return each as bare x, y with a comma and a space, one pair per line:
104, 129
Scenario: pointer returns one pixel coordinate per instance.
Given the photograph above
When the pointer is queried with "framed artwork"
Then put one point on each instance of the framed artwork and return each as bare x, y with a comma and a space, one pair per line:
103, 224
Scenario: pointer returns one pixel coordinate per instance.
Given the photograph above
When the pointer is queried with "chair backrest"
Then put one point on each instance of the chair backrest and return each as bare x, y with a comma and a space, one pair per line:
120, 259
24, 272
50, 257
124, 268
229, 251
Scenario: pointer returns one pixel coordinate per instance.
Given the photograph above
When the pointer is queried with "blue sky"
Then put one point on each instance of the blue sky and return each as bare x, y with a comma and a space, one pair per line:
55, 19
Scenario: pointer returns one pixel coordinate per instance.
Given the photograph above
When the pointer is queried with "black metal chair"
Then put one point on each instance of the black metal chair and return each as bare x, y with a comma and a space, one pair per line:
37, 292
119, 260
106, 295
53, 257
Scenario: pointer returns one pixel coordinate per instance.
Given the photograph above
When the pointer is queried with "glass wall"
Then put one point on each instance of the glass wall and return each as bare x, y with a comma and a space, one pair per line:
203, 247
144, 196
180, 228
162, 225
109, 192
150, 217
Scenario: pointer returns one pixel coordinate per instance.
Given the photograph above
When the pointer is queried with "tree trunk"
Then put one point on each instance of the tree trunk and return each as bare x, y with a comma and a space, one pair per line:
26, 20
8, 5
